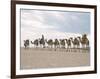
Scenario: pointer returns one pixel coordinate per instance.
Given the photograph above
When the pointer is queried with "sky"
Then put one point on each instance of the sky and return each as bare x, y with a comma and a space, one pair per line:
53, 24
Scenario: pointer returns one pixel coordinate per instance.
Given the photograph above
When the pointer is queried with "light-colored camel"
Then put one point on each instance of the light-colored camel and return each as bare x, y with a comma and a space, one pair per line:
68, 41
76, 43
62, 43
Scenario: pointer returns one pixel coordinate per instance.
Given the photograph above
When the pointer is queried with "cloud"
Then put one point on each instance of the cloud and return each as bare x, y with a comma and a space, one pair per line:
57, 20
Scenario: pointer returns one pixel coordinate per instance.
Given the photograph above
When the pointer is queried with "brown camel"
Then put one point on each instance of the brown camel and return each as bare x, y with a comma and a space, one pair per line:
84, 41
50, 43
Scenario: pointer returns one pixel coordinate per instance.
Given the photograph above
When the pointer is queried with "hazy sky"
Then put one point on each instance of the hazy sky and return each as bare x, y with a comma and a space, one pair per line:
62, 21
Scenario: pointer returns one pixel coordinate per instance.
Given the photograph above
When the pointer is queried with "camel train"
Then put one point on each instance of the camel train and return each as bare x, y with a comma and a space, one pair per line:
71, 43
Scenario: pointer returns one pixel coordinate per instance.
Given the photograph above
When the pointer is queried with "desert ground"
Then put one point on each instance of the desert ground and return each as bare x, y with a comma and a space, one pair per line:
32, 58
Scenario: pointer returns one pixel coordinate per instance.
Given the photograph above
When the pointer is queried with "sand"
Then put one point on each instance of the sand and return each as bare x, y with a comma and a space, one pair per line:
32, 58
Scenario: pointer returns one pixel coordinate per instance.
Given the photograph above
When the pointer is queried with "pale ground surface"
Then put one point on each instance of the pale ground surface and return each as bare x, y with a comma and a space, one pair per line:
49, 58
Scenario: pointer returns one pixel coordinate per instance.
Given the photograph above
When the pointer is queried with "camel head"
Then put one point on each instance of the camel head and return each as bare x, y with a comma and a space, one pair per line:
70, 38
26, 40
66, 40
79, 37
84, 35
60, 39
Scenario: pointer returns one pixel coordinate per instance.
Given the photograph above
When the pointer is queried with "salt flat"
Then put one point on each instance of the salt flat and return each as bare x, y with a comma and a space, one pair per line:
32, 58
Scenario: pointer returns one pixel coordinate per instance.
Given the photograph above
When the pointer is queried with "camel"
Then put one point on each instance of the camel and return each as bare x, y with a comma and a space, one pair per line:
76, 43
36, 42
56, 43
84, 41
42, 41
62, 43
26, 43
68, 41
50, 43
